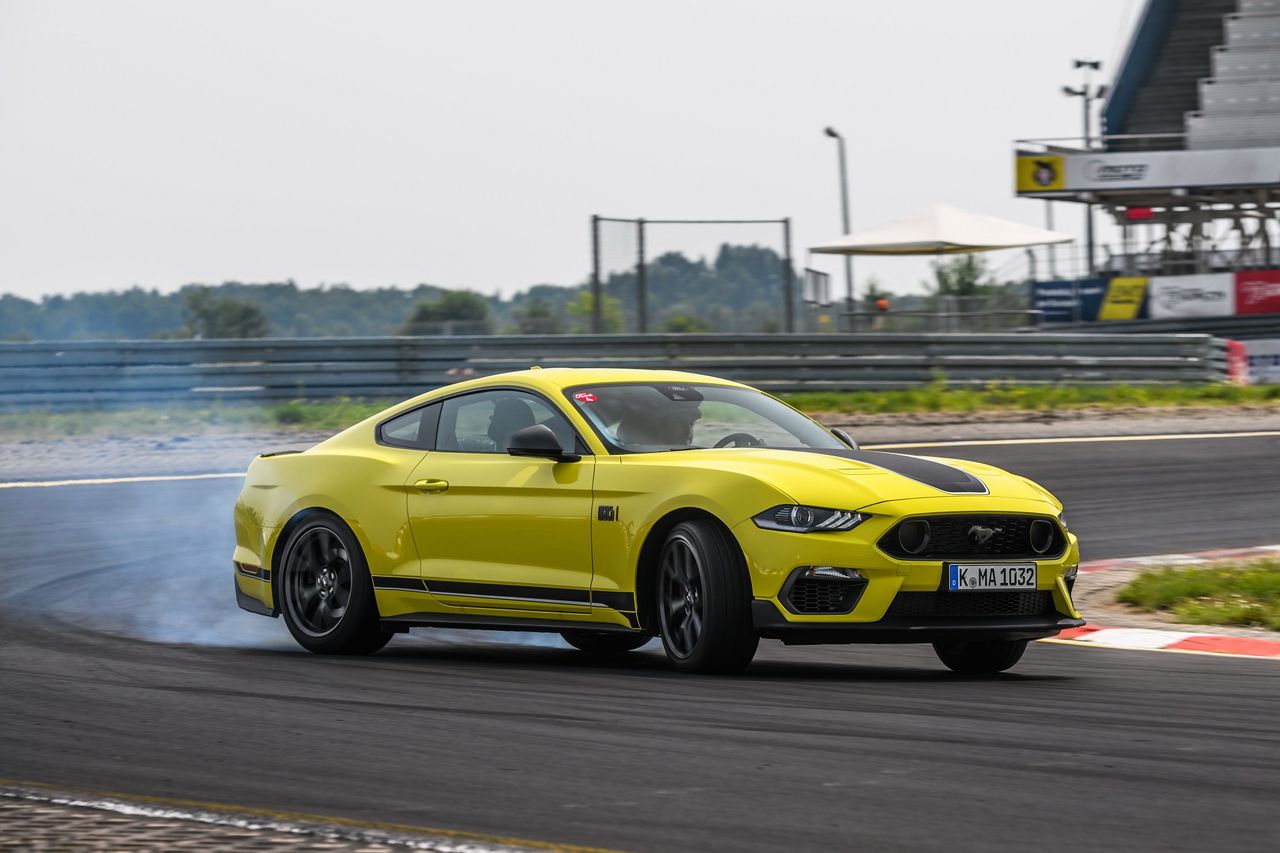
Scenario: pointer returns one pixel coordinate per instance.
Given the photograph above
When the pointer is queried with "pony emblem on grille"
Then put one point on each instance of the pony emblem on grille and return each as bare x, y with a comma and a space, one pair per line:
981, 535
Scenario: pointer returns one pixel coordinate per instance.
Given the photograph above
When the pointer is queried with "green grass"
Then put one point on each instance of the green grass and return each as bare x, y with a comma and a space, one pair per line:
1246, 594
334, 415
938, 397
325, 417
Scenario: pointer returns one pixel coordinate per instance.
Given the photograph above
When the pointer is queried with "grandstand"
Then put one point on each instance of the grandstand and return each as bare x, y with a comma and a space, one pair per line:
1187, 164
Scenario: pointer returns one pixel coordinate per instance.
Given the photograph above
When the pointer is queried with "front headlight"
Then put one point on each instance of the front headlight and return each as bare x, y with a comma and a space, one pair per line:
808, 519
1062, 519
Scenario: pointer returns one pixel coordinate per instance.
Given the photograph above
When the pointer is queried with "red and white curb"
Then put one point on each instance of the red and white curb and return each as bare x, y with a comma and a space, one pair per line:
1153, 639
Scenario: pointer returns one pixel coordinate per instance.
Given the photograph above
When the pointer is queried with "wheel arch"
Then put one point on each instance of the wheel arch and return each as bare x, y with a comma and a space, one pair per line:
651, 550
277, 551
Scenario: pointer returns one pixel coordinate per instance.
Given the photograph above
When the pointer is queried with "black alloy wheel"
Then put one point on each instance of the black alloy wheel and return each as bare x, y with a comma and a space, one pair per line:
704, 600
980, 657
681, 600
318, 581
325, 592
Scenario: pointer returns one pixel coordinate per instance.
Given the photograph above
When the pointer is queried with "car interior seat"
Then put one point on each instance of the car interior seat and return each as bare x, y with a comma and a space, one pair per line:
510, 415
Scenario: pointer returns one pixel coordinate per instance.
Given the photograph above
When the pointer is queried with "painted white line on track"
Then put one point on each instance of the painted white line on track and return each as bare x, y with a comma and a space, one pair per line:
1092, 439
110, 481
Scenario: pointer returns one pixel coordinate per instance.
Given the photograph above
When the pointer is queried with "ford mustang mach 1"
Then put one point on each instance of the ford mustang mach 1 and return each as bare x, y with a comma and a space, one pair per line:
615, 506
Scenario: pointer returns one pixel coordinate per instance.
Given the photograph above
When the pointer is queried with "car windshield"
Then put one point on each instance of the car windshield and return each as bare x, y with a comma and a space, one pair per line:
653, 417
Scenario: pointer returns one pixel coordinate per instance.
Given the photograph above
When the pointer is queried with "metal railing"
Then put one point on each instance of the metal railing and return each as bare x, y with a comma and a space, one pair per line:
88, 374
1241, 327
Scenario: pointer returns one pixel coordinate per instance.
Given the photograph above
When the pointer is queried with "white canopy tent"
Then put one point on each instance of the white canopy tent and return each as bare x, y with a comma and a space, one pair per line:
942, 230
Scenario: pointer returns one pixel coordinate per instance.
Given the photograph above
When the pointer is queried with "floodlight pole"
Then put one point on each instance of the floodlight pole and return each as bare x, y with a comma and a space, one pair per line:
642, 313
844, 210
1087, 96
787, 285
597, 315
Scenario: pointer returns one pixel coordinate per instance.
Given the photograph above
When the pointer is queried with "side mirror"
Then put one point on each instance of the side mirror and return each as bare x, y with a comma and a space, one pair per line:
846, 438
538, 440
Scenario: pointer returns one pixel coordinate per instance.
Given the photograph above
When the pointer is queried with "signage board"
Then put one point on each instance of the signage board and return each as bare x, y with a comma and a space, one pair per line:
1209, 295
1101, 171
1264, 361
1068, 301
1258, 292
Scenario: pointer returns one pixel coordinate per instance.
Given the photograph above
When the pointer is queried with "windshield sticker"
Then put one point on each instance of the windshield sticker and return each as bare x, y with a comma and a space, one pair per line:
585, 397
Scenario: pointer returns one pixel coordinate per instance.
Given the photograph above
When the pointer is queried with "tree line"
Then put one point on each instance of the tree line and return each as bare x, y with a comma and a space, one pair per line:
739, 290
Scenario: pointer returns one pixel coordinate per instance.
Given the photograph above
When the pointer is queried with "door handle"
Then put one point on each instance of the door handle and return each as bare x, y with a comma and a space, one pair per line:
432, 486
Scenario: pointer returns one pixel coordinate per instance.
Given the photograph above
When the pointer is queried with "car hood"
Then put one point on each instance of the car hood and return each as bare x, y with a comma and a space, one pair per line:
855, 479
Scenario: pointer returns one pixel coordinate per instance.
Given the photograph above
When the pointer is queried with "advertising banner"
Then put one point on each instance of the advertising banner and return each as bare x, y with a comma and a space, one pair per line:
1114, 170
1258, 292
1040, 173
1211, 295
1070, 300
1125, 299
1264, 361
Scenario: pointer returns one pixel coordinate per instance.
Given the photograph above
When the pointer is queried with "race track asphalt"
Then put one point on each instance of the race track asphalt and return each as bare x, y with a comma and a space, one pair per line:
814, 748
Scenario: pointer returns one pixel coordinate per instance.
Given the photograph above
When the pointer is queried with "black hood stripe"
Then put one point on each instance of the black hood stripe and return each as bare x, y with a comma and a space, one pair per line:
942, 477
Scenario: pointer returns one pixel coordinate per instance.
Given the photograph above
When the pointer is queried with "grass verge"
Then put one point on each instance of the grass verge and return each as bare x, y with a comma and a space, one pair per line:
1245, 594
938, 397
337, 414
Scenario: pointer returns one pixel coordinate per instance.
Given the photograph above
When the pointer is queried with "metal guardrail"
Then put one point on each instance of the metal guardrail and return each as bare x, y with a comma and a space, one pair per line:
85, 374
1240, 327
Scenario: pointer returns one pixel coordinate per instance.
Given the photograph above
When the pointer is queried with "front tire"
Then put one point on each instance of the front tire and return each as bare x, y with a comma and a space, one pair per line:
325, 592
605, 643
704, 600
980, 657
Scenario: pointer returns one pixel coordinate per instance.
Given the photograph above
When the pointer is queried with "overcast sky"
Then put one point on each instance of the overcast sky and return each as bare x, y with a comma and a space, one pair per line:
466, 144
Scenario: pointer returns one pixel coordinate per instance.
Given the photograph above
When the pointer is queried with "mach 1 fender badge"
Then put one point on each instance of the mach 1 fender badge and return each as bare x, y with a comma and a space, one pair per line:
607, 513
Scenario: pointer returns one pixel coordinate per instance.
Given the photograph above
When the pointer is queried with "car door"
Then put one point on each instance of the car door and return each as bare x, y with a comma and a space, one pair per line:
496, 531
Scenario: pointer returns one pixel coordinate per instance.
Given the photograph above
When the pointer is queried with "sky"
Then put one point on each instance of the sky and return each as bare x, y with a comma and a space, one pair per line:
466, 144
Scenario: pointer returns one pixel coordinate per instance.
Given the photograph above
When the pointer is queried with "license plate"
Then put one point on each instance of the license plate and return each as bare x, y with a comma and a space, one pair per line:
973, 577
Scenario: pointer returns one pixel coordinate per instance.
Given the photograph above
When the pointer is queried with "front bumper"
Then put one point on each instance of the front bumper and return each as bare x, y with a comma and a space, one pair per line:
773, 624
773, 556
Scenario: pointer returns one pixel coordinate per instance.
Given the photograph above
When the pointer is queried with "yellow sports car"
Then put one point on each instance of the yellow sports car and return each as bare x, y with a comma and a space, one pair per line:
612, 506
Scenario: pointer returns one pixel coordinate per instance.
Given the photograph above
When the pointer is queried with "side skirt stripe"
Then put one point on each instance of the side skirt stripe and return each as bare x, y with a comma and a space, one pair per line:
510, 591
620, 601
407, 584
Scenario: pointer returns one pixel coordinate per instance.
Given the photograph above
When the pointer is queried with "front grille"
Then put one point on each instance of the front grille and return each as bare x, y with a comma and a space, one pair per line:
953, 536
915, 605
823, 595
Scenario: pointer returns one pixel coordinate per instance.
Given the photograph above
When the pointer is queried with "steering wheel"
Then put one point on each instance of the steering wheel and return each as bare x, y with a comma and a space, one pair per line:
740, 439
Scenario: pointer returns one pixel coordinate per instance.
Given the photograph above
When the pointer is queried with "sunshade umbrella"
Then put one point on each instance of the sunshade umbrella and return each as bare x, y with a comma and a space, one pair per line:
942, 230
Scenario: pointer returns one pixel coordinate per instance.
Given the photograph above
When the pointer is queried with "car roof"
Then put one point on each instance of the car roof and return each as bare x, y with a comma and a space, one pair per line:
566, 377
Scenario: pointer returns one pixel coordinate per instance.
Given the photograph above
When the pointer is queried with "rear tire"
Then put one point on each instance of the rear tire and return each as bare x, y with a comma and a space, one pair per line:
605, 643
980, 657
704, 600
325, 593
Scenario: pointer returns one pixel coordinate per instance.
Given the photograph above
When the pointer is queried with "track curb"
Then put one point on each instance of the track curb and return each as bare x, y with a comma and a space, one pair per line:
1157, 639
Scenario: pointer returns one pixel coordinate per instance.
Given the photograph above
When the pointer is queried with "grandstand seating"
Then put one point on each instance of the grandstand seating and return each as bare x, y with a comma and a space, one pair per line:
1199, 74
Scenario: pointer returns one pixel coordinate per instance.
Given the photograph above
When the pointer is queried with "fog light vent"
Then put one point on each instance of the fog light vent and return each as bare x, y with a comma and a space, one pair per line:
823, 589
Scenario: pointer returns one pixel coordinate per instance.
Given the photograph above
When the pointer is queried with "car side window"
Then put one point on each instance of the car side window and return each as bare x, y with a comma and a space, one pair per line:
415, 429
485, 421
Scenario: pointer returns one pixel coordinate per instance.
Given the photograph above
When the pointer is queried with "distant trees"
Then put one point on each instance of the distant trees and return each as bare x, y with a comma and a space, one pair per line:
459, 312
212, 316
581, 314
538, 317
963, 275
739, 289
685, 323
